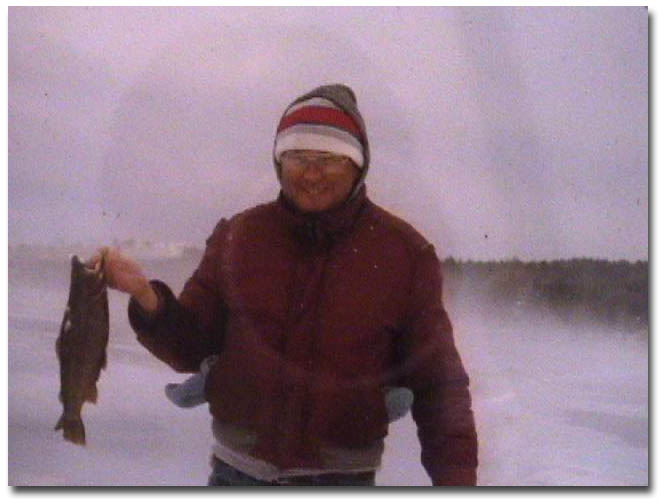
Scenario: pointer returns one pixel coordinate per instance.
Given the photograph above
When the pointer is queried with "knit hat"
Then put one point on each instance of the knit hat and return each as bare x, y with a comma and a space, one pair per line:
325, 119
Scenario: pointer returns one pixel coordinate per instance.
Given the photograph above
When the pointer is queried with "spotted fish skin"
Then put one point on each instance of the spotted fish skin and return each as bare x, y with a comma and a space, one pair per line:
81, 345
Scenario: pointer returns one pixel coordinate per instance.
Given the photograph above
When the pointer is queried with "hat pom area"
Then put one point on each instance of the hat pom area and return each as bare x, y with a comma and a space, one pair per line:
340, 88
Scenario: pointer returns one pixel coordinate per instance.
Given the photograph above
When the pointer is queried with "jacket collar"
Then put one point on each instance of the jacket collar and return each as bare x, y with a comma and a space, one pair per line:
321, 229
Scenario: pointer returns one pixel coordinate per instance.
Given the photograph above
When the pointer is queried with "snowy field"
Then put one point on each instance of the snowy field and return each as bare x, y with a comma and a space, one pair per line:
555, 404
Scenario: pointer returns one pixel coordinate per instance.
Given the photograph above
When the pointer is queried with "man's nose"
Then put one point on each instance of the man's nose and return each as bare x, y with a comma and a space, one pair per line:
313, 172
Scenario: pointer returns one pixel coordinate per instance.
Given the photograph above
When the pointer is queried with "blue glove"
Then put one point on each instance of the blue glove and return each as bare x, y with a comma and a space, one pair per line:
190, 393
397, 401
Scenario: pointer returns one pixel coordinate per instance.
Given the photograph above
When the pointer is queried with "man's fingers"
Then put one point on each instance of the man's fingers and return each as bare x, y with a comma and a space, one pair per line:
122, 273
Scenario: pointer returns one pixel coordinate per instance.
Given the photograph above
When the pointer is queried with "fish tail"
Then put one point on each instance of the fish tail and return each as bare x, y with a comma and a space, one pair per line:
73, 428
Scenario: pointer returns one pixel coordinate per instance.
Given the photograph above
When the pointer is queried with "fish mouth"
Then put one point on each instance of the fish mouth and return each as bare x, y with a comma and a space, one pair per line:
87, 268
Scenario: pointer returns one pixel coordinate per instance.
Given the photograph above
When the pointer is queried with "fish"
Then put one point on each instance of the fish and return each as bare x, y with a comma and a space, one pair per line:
81, 344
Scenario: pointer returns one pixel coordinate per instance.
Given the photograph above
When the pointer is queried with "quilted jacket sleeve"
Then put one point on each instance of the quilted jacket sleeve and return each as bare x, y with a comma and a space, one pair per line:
432, 368
184, 331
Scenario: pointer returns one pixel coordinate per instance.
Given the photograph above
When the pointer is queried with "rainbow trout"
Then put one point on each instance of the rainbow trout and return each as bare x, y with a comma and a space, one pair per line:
81, 345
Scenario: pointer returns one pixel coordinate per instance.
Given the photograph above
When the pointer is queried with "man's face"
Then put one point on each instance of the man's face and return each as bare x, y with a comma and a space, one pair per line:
316, 181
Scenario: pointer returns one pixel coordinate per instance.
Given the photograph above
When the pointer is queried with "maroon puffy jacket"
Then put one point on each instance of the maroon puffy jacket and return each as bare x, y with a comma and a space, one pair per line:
312, 318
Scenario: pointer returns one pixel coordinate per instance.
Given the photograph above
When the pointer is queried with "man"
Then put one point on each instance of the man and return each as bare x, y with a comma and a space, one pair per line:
315, 304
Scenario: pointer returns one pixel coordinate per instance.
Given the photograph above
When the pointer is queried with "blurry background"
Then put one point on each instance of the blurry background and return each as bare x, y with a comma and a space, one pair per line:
498, 132
514, 139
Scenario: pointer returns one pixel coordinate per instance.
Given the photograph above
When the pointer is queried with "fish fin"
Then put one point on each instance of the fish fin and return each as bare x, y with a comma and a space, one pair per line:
92, 394
64, 327
73, 429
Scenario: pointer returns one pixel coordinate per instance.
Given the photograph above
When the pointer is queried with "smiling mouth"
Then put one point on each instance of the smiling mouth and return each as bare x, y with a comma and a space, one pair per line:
314, 191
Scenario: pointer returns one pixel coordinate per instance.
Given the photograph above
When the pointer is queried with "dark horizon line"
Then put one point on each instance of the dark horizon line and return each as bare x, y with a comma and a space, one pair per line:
445, 258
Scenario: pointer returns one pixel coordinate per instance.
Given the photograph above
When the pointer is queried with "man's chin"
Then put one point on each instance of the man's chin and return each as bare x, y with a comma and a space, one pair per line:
313, 206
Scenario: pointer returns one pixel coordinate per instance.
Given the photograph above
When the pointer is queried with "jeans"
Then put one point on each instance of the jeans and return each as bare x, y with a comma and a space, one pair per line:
225, 475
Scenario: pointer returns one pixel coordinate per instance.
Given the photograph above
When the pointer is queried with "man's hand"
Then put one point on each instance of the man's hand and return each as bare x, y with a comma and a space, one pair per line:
126, 275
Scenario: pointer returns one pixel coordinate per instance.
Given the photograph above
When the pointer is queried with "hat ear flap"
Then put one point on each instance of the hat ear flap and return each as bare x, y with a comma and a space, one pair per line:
278, 168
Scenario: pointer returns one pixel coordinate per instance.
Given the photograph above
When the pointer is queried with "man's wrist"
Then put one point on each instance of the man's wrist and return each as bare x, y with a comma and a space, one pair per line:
147, 298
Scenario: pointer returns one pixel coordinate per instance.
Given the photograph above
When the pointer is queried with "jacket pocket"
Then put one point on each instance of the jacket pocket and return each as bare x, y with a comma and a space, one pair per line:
356, 418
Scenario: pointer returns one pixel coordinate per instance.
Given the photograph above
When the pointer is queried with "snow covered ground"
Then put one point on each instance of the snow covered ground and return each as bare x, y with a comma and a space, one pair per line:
555, 404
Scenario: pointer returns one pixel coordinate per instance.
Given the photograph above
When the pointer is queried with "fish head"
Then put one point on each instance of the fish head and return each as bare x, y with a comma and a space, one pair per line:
87, 277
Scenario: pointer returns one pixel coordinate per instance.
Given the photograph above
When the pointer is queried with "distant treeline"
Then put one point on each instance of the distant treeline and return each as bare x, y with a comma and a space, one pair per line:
613, 292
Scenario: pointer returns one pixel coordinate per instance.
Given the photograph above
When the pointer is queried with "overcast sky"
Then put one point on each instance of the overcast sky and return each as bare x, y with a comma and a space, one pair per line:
497, 132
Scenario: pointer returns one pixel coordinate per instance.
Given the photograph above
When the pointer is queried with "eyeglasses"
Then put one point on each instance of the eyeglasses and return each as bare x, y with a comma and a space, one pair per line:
304, 158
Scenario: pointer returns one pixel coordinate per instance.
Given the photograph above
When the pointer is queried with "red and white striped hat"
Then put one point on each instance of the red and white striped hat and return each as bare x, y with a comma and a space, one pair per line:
317, 122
